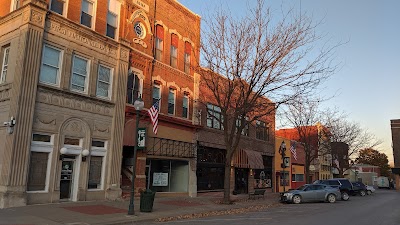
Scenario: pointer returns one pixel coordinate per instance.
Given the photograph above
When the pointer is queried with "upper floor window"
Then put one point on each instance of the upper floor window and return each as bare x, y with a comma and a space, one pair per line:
87, 13
112, 18
80, 73
171, 101
104, 82
245, 130
57, 6
214, 117
5, 53
156, 93
174, 50
51, 64
159, 42
134, 89
15, 4
185, 110
262, 131
188, 50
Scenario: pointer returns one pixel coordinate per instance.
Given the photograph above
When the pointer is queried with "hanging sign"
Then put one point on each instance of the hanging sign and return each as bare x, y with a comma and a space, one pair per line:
141, 138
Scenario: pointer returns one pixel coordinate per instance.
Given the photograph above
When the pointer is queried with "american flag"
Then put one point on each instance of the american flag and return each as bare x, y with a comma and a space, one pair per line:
293, 149
153, 113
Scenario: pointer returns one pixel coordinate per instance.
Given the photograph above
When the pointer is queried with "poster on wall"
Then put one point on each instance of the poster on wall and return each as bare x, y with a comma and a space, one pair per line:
160, 179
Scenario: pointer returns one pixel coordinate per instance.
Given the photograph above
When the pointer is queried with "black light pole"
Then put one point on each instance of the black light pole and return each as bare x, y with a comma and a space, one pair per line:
139, 104
282, 151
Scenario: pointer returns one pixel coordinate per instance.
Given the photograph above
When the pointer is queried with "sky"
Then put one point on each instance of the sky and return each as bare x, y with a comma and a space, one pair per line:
367, 84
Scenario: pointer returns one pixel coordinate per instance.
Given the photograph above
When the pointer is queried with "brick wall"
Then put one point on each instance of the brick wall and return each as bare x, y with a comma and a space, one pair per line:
395, 125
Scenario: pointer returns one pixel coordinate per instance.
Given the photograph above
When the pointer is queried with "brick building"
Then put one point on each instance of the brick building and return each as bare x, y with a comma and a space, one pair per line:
395, 127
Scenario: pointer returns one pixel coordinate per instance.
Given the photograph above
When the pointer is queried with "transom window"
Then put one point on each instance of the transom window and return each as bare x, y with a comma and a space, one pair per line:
214, 117
171, 101
50, 68
262, 131
41, 138
72, 141
104, 82
80, 74
87, 13
4, 64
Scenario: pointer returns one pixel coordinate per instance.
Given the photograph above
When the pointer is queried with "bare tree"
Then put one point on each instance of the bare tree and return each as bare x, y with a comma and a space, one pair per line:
254, 57
342, 130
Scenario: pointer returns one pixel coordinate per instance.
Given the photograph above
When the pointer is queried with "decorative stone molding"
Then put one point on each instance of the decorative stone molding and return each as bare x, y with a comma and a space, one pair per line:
101, 129
47, 120
173, 31
186, 89
124, 55
174, 85
185, 39
5, 93
74, 102
159, 22
158, 78
86, 40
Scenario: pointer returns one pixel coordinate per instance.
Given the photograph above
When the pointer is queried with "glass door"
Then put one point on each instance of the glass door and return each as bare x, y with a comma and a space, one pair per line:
66, 181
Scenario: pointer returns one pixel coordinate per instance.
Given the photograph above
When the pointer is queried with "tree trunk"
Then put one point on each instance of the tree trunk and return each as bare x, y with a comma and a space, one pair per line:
227, 184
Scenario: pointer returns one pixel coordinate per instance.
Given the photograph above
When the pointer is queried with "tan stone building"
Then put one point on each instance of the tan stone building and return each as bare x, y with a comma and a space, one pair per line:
61, 65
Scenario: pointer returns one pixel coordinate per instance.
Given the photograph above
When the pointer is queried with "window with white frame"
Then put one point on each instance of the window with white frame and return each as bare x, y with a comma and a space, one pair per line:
38, 176
185, 106
159, 42
171, 101
15, 4
58, 6
96, 168
80, 73
174, 51
262, 131
245, 130
104, 78
134, 88
50, 67
4, 63
112, 18
87, 13
214, 117
188, 49
156, 93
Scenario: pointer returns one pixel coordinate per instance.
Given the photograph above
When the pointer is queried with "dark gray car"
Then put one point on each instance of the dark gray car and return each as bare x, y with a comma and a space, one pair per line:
311, 193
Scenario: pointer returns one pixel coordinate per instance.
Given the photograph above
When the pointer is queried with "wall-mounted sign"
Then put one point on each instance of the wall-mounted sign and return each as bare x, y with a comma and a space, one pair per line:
160, 179
286, 161
141, 5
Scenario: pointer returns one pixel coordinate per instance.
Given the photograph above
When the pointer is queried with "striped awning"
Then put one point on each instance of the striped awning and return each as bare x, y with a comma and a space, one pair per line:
247, 159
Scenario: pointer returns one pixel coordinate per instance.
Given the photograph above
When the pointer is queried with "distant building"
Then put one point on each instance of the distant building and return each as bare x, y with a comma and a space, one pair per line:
395, 125
340, 158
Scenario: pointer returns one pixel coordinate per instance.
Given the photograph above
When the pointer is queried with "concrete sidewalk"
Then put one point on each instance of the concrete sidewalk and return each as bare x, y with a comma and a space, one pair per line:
115, 212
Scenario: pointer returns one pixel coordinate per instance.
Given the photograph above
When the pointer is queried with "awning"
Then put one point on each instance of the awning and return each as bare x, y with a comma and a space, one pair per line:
248, 159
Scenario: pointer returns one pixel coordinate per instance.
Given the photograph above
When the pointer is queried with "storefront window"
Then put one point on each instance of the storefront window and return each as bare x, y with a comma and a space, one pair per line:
168, 175
95, 172
263, 177
38, 171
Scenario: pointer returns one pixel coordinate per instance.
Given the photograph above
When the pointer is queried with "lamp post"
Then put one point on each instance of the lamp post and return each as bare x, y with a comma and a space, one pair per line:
138, 105
282, 151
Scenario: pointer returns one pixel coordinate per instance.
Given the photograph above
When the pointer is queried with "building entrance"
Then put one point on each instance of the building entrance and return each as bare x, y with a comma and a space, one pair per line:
67, 178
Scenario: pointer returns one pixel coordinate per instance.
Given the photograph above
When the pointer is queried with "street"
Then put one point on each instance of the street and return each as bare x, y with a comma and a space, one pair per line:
381, 208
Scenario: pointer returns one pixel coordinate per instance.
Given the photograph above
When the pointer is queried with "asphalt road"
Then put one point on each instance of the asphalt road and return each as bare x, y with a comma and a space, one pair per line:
381, 208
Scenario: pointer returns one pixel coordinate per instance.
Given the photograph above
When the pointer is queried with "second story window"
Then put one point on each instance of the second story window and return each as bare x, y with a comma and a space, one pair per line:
57, 6
174, 51
214, 117
185, 109
87, 13
262, 131
112, 18
4, 63
245, 130
159, 42
51, 64
156, 93
171, 101
134, 89
104, 82
15, 4
188, 50
80, 73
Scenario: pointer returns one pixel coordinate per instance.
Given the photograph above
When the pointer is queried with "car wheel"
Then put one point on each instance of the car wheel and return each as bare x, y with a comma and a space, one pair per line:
362, 193
369, 192
331, 198
345, 196
296, 199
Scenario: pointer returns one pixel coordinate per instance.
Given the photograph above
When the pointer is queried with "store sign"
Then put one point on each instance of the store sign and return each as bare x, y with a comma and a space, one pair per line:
286, 161
160, 179
141, 138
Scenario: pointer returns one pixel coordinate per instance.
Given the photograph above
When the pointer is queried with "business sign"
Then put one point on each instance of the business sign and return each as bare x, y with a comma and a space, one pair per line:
286, 161
141, 138
160, 179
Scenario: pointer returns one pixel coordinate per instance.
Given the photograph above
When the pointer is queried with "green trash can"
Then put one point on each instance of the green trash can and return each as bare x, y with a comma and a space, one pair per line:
147, 200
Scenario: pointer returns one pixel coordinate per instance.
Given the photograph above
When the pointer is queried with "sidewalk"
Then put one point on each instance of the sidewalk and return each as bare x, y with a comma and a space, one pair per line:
115, 212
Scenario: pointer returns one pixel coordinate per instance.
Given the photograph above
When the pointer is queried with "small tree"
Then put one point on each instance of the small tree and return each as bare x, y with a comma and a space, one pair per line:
251, 58
373, 157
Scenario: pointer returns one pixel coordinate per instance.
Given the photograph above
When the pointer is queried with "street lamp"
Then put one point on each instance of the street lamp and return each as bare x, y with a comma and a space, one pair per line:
138, 105
282, 151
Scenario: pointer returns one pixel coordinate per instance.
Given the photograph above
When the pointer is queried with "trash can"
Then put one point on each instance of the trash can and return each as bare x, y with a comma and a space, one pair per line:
147, 200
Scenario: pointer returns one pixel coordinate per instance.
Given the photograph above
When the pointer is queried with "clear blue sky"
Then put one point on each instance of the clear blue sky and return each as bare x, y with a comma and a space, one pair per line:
367, 87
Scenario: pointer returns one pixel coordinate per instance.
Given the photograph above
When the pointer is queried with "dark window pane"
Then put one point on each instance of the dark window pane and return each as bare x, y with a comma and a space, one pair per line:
71, 141
110, 31
41, 138
99, 144
95, 172
86, 19
37, 171
57, 6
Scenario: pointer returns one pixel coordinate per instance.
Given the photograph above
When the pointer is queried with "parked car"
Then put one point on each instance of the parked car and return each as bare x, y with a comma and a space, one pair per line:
344, 185
311, 193
359, 188
370, 189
